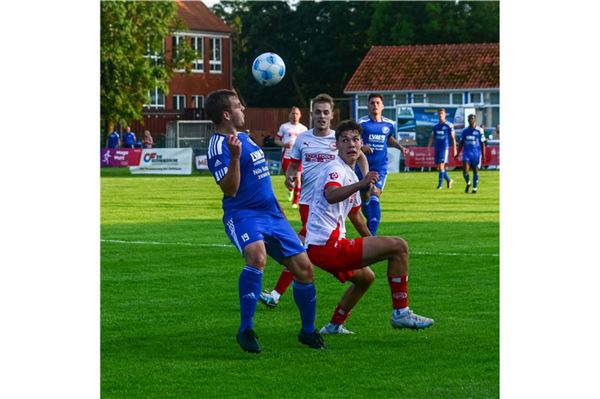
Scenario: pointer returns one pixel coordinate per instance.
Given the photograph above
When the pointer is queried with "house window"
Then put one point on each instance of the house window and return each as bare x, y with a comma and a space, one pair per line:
401, 99
198, 45
215, 55
155, 57
457, 98
178, 101
362, 100
438, 98
157, 98
495, 98
419, 98
475, 98
198, 101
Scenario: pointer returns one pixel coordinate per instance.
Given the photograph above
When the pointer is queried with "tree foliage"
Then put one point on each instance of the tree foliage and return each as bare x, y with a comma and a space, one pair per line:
322, 43
130, 31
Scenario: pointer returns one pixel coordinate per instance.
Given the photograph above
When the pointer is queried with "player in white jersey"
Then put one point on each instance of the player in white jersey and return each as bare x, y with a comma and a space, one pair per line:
285, 138
312, 150
336, 197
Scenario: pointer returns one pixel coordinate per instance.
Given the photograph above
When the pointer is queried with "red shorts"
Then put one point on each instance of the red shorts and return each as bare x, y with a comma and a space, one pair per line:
304, 218
338, 256
285, 162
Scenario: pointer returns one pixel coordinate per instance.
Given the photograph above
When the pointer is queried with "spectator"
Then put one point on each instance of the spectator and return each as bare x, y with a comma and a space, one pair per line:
148, 141
496, 134
129, 138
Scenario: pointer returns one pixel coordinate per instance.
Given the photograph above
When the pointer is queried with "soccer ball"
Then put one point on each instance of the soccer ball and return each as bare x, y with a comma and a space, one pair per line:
268, 69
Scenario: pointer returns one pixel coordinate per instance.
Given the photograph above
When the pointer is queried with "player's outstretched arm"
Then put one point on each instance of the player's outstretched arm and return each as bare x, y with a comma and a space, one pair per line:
335, 194
230, 183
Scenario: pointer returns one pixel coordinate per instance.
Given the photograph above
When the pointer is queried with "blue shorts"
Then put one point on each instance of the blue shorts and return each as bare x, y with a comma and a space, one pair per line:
473, 160
380, 183
441, 155
281, 241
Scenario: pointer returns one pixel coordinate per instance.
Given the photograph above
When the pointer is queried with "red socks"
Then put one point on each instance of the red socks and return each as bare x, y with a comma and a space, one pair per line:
339, 315
399, 288
285, 279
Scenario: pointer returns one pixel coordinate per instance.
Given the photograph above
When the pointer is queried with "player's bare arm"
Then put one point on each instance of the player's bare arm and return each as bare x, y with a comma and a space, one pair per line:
281, 143
363, 164
230, 183
358, 221
290, 175
453, 140
334, 194
392, 142
366, 149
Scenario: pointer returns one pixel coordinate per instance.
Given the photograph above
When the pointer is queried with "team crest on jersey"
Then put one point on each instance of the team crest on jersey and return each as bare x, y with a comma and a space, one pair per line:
385, 129
334, 175
333, 146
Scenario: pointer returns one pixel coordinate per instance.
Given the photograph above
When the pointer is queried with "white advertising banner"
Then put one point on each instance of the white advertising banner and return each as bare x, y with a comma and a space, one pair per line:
164, 161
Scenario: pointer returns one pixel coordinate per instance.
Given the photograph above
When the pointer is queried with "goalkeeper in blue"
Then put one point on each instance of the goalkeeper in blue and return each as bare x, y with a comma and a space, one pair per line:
443, 135
254, 220
377, 136
473, 145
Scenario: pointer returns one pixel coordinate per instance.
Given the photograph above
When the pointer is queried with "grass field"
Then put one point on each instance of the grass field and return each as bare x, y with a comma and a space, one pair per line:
169, 307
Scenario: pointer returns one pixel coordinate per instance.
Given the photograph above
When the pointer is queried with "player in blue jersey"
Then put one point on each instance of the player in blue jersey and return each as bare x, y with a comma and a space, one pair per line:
377, 136
113, 140
254, 220
473, 146
128, 138
443, 135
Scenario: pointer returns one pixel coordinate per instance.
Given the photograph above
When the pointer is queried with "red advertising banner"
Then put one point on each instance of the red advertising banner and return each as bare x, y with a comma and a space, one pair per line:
112, 157
422, 157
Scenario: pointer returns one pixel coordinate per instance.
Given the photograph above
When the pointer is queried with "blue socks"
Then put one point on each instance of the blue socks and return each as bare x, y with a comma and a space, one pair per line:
475, 180
441, 177
446, 177
305, 296
249, 286
466, 176
374, 211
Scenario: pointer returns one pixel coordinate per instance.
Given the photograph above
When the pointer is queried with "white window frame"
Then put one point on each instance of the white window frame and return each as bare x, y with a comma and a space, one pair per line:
195, 98
198, 64
179, 99
158, 95
215, 62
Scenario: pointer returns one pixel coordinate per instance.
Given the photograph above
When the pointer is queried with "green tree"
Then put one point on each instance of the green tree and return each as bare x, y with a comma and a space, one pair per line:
130, 32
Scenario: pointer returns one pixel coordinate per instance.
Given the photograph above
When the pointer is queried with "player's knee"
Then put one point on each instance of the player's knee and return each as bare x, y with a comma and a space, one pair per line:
258, 260
304, 272
369, 276
401, 246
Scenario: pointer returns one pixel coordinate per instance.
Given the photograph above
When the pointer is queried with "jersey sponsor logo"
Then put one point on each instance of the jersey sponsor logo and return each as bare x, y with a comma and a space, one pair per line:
334, 176
377, 137
313, 157
257, 155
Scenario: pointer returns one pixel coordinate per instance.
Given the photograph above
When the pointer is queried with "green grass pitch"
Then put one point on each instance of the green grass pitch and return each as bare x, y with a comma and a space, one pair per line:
169, 307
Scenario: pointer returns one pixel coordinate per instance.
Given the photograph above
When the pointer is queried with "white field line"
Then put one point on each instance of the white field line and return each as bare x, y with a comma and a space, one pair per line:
190, 244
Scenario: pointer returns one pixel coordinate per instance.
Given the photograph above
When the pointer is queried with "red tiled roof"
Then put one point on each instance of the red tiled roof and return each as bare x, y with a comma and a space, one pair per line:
198, 17
428, 67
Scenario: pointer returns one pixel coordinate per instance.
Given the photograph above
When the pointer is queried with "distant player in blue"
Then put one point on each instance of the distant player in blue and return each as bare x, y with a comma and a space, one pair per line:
129, 138
473, 145
113, 140
377, 136
254, 221
443, 134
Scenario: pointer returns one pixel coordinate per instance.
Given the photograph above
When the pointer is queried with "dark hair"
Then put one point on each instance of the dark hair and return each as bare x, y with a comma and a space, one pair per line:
348, 124
323, 98
375, 95
216, 103
441, 109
